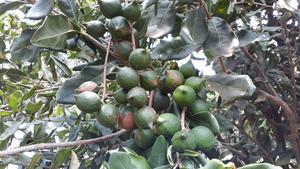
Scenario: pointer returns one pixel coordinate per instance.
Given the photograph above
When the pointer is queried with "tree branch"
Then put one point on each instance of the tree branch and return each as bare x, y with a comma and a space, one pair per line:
291, 119
150, 103
182, 118
35, 147
292, 67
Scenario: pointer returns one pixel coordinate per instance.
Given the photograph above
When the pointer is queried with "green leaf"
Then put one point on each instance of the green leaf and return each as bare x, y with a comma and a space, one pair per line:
15, 74
92, 72
10, 5
164, 21
247, 37
123, 160
14, 100
5, 113
53, 33
62, 66
40, 9
34, 161
32, 108
29, 93
231, 86
172, 49
74, 164
69, 8
194, 29
158, 154
260, 166
11, 130
22, 50
61, 157
221, 40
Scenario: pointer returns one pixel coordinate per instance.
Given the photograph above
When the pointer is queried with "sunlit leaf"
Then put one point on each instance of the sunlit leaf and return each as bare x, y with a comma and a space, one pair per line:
40, 9
231, 87
10, 5
11, 130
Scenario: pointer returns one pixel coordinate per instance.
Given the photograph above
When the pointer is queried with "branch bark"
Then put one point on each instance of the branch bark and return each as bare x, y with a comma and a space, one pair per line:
35, 147
291, 119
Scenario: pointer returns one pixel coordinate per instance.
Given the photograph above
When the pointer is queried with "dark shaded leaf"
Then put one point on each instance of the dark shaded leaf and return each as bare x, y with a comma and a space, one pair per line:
164, 20
158, 154
22, 50
10, 5
231, 86
40, 9
53, 33
172, 49
65, 94
62, 66
246, 37
61, 157
221, 40
15, 74
69, 8
194, 29
11, 130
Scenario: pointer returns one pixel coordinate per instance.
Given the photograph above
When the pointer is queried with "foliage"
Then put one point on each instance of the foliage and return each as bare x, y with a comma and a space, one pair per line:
251, 104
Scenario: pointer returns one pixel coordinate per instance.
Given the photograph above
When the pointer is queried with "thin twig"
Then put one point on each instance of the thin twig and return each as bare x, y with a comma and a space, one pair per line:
98, 44
292, 68
255, 3
132, 36
291, 119
221, 61
182, 118
47, 89
40, 146
204, 6
151, 96
105, 70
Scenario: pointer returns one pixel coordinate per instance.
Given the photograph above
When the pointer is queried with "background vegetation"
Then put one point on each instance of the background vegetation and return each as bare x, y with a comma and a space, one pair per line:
46, 53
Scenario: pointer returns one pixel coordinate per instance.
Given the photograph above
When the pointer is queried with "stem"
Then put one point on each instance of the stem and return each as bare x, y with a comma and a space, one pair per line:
105, 70
98, 44
221, 61
40, 146
132, 36
182, 118
204, 6
291, 119
150, 103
